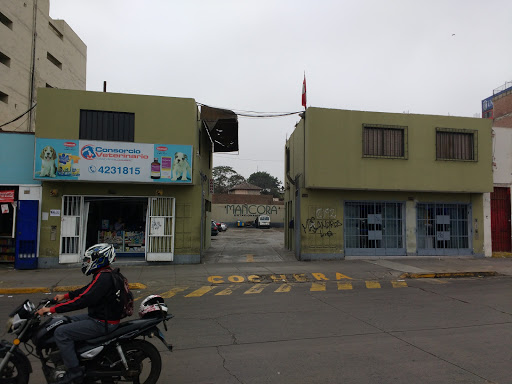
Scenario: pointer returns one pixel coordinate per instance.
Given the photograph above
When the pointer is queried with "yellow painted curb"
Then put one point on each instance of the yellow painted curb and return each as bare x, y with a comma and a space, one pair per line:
10, 291
62, 288
501, 255
447, 275
68, 288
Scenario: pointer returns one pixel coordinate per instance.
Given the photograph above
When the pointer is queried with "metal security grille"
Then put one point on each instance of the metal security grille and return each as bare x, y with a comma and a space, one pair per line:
443, 228
374, 228
455, 145
383, 141
107, 126
70, 229
161, 225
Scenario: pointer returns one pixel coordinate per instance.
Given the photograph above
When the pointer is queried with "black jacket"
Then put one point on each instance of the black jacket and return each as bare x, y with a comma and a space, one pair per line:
98, 296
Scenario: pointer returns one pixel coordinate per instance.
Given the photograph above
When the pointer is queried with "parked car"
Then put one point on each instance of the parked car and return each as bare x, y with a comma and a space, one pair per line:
262, 221
220, 226
215, 230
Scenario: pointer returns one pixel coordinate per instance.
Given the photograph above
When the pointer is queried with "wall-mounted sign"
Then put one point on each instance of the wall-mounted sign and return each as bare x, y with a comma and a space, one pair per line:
7, 196
112, 161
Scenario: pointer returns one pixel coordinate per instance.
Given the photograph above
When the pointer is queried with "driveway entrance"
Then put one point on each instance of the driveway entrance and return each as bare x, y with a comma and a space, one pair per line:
248, 245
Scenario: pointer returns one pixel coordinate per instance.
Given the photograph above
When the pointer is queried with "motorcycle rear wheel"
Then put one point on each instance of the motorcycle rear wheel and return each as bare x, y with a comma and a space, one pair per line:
15, 371
143, 357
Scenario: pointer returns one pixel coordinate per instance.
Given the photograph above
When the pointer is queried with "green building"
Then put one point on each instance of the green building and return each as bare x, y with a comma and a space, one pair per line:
130, 170
385, 184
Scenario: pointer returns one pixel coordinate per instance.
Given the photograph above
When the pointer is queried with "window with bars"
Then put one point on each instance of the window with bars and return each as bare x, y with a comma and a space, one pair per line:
456, 144
384, 141
107, 126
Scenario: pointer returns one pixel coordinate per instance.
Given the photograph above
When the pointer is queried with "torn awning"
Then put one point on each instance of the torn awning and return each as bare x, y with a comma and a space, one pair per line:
222, 125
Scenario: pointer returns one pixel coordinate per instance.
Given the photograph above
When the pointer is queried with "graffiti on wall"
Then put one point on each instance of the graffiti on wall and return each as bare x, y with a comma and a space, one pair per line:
250, 209
323, 223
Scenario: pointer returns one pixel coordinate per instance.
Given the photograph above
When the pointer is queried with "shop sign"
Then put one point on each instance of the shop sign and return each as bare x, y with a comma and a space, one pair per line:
112, 161
7, 196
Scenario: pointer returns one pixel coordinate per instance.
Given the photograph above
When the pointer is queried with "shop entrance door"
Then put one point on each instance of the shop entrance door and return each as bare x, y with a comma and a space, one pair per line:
160, 230
26, 236
71, 224
374, 229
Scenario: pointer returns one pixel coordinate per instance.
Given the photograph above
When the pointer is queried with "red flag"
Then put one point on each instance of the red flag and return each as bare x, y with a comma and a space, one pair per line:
304, 92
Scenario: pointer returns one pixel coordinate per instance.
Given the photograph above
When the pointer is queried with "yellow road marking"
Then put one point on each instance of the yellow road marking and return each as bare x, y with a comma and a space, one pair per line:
316, 287
250, 258
319, 276
256, 289
69, 288
284, 288
228, 291
9, 291
173, 292
399, 284
201, 291
344, 286
278, 278
340, 276
300, 277
372, 284
254, 278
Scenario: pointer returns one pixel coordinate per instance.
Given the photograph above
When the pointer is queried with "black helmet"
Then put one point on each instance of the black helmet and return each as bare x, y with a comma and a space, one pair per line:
98, 256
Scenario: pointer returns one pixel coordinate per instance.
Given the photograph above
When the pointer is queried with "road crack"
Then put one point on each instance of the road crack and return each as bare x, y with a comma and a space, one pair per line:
225, 367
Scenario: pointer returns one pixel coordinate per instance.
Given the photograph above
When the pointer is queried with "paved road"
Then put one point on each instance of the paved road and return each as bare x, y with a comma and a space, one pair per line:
248, 244
428, 331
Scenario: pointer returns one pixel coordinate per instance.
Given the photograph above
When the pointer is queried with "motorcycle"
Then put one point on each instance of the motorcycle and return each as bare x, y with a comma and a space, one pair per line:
123, 355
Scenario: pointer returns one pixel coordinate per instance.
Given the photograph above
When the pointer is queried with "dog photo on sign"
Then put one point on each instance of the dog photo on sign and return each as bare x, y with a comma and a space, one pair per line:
181, 167
48, 167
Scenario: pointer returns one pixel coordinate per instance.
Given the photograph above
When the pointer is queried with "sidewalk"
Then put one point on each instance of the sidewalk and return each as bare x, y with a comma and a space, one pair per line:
143, 276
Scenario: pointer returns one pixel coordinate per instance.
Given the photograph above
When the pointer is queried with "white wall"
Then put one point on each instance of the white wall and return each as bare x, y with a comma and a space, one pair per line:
502, 156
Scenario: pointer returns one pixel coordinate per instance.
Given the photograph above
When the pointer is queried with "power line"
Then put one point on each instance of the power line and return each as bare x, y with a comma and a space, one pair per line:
229, 157
254, 114
19, 117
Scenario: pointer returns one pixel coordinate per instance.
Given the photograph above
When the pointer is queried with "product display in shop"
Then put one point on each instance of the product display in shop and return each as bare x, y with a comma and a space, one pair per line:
124, 241
7, 249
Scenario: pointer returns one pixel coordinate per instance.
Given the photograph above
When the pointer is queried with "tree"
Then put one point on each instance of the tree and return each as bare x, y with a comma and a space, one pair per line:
269, 184
224, 178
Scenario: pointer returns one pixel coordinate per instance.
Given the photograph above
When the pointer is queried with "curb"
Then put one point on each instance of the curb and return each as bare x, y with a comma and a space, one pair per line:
447, 275
62, 288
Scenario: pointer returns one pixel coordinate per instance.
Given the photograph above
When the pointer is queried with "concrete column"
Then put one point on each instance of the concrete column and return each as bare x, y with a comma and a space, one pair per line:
410, 227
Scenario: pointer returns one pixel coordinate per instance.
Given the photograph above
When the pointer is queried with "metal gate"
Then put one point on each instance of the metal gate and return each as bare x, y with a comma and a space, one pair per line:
161, 223
374, 228
443, 229
70, 231
500, 220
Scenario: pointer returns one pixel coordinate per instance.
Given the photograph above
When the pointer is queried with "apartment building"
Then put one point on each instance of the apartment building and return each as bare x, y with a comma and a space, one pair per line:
35, 52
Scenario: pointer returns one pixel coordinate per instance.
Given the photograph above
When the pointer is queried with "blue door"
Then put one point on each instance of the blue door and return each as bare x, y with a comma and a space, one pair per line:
26, 235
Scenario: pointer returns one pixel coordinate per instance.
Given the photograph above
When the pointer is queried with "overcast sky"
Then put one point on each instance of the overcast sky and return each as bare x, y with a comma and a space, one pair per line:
426, 57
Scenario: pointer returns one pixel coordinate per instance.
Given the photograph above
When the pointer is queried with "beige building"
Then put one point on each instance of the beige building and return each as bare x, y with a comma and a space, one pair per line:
245, 189
35, 52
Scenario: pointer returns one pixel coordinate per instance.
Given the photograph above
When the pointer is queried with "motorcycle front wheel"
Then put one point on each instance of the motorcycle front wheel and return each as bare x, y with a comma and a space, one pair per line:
143, 358
15, 371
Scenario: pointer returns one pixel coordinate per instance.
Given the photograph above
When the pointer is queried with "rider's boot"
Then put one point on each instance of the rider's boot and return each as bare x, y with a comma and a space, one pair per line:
73, 375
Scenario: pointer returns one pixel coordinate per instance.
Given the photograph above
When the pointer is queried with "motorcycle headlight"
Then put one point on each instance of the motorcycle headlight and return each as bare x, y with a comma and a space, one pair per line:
15, 323
9, 324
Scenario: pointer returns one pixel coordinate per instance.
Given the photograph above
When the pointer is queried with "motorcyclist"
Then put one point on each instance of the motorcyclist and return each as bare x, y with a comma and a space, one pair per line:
99, 297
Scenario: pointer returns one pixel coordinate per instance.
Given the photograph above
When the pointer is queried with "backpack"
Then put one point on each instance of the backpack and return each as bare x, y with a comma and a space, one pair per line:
124, 296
